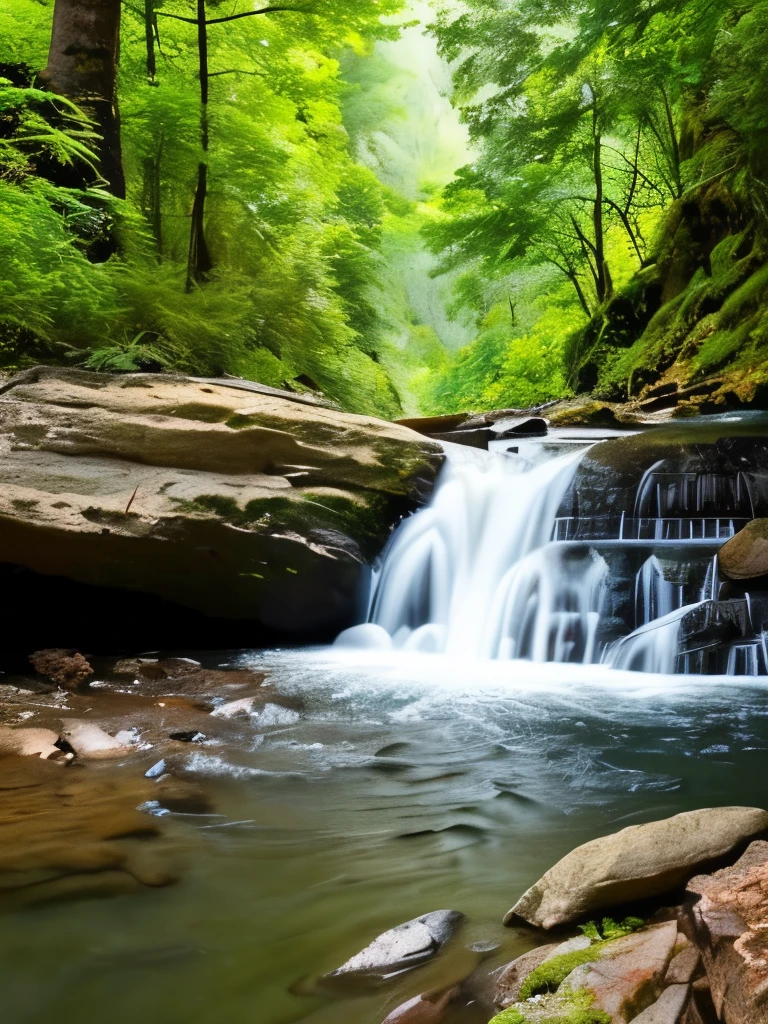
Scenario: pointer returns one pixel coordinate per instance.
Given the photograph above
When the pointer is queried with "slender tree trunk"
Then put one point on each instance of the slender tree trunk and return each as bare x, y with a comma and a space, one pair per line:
602, 276
151, 197
82, 65
674, 145
149, 35
199, 262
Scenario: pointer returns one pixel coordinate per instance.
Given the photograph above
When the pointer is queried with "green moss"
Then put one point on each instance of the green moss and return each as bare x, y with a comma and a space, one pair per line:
564, 1008
367, 522
548, 977
200, 411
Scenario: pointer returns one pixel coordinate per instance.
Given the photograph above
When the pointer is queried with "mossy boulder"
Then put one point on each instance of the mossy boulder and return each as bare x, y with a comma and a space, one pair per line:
236, 505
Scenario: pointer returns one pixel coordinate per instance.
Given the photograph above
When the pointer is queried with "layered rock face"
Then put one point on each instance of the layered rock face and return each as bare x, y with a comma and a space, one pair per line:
193, 502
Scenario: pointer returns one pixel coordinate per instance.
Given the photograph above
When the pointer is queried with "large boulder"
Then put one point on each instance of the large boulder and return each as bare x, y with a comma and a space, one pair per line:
638, 863
728, 923
234, 504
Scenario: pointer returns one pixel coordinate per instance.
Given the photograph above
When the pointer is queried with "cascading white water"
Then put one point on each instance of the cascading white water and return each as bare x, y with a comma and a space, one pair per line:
456, 575
484, 572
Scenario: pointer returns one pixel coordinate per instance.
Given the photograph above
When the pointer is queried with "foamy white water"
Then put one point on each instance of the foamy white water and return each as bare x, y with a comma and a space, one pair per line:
449, 582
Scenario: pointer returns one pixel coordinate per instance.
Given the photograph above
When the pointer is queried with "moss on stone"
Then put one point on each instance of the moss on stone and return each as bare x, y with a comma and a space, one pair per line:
564, 1008
366, 522
548, 977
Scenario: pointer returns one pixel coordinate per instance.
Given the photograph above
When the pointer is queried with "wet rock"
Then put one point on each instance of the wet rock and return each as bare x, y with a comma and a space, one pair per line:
156, 770
31, 743
628, 976
67, 669
430, 1008
153, 668
668, 1008
407, 945
728, 924
89, 740
234, 708
637, 863
468, 438
522, 426
429, 425
745, 556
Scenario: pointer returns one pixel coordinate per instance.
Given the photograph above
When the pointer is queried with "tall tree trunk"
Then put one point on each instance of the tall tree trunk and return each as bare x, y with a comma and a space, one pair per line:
199, 262
82, 65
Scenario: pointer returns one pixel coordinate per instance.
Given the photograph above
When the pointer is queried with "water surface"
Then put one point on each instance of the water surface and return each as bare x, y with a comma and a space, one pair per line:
406, 784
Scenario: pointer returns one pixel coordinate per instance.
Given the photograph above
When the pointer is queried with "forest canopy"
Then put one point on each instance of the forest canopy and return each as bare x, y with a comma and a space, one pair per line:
230, 192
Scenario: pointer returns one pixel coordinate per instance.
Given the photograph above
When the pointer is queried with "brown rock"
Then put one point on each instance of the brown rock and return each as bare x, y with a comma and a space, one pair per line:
629, 975
729, 926
745, 556
637, 863
65, 668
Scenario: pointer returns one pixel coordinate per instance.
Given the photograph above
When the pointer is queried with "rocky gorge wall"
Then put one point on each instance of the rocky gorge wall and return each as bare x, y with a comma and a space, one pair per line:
690, 330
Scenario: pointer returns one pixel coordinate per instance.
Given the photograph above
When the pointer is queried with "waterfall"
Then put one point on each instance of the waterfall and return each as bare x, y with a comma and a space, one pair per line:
456, 574
505, 564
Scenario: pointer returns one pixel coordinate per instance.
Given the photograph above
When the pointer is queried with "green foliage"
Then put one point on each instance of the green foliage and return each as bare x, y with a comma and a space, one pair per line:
610, 929
293, 219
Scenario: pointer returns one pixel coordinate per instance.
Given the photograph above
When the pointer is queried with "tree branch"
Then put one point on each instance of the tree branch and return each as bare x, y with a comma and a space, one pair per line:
250, 14
233, 71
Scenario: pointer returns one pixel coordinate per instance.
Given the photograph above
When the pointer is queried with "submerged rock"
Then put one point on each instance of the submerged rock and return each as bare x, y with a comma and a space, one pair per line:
637, 863
236, 506
429, 1008
75, 832
29, 742
407, 945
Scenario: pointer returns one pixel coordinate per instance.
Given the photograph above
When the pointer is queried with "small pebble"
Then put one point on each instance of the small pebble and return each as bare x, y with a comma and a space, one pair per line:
156, 770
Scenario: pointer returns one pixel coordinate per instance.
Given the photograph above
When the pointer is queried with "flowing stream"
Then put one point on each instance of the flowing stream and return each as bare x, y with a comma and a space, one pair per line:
487, 720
